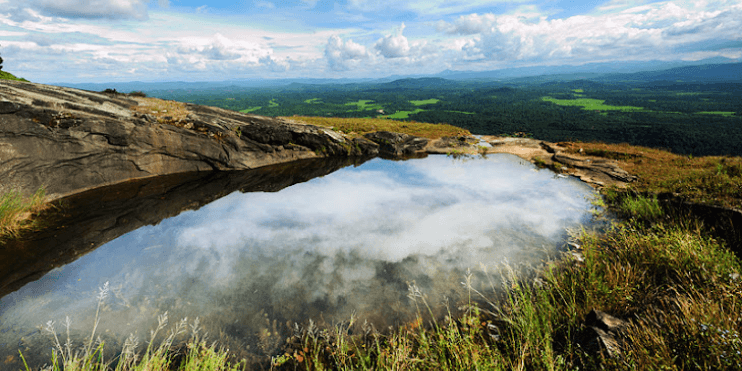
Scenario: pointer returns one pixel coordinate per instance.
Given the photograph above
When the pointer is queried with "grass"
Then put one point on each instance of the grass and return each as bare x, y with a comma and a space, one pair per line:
313, 101
251, 109
424, 102
591, 104
273, 103
163, 355
403, 114
160, 108
16, 212
365, 105
9, 76
359, 126
713, 180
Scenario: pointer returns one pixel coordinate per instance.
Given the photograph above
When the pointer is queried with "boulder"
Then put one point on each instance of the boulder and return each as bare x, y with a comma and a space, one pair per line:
397, 144
603, 333
69, 140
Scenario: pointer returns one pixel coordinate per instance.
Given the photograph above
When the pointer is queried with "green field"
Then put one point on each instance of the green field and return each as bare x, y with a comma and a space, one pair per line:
364, 105
591, 104
313, 101
723, 113
403, 114
424, 102
251, 109
273, 103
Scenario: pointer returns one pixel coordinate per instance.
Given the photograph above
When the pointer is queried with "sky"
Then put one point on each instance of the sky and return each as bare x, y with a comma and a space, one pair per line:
197, 40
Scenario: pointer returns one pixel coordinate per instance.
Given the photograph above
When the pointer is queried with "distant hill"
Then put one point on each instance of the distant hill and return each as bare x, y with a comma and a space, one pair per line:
418, 83
729, 72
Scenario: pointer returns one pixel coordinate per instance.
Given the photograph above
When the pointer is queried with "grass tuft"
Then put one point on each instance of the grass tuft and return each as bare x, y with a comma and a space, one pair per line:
16, 212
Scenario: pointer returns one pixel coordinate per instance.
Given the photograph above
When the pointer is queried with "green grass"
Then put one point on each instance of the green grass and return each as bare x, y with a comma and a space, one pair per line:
16, 212
313, 101
8, 76
591, 104
403, 114
722, 113
273, 103
365, 105
424, 102
251, 109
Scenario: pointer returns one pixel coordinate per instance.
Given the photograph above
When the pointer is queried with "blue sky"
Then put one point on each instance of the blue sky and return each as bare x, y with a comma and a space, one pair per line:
195, 40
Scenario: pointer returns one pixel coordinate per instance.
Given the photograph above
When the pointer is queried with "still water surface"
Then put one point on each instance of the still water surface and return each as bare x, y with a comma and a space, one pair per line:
346, 244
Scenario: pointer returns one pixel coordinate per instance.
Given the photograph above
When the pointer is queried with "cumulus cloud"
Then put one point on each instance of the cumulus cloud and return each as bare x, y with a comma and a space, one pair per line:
394, 46
645, 31
469, 24
342, 55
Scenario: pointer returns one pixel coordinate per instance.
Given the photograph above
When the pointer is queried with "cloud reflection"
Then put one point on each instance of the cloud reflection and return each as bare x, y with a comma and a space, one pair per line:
342, 244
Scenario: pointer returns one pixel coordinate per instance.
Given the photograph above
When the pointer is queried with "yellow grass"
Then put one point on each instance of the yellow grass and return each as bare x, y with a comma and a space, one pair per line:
710, 179
360, 126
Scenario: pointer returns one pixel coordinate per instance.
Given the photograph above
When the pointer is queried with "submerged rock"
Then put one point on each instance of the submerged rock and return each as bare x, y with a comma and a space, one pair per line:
69, 140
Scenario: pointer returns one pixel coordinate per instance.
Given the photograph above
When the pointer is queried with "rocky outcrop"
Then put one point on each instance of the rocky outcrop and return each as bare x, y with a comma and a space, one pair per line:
69, 140
397, 145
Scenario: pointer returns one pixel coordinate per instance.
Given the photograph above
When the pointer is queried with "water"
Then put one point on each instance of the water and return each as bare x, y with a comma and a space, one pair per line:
345, 244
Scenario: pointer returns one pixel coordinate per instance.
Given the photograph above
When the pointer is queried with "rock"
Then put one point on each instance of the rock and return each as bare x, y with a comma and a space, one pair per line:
397, 144
603, 168
603, 332
70, 140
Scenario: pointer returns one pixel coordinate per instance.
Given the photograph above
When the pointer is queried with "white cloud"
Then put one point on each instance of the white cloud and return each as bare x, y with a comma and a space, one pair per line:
641, 32
343, 55
112, 9
469, 24
394, 46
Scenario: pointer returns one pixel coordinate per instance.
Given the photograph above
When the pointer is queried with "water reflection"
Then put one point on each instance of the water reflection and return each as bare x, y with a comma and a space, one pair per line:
340, 245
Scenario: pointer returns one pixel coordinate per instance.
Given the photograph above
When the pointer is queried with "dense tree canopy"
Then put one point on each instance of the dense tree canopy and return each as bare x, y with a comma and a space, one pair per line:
686, 118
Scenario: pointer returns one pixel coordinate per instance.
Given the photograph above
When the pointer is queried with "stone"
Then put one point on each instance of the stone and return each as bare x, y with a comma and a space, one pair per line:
397, 144
68, 140
603, 332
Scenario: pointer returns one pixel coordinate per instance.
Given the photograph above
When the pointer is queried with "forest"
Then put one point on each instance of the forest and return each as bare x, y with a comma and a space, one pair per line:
689, 118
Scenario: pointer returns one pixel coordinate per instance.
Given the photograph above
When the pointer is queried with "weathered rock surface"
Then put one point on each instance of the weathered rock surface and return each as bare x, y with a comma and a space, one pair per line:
397, 144
598, 172
69, 140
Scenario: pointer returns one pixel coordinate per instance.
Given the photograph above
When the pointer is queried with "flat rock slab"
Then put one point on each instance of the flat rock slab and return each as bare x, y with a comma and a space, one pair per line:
598, 172
69, 140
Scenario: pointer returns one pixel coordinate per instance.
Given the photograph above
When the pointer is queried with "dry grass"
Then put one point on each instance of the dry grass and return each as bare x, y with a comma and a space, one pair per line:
715, 180
356, 127
160, 108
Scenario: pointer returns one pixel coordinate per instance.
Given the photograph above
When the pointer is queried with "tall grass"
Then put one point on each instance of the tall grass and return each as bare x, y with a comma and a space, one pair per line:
16, 211
198, 355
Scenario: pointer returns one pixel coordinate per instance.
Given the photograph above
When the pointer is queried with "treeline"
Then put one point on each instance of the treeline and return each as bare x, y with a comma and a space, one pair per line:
694, 119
